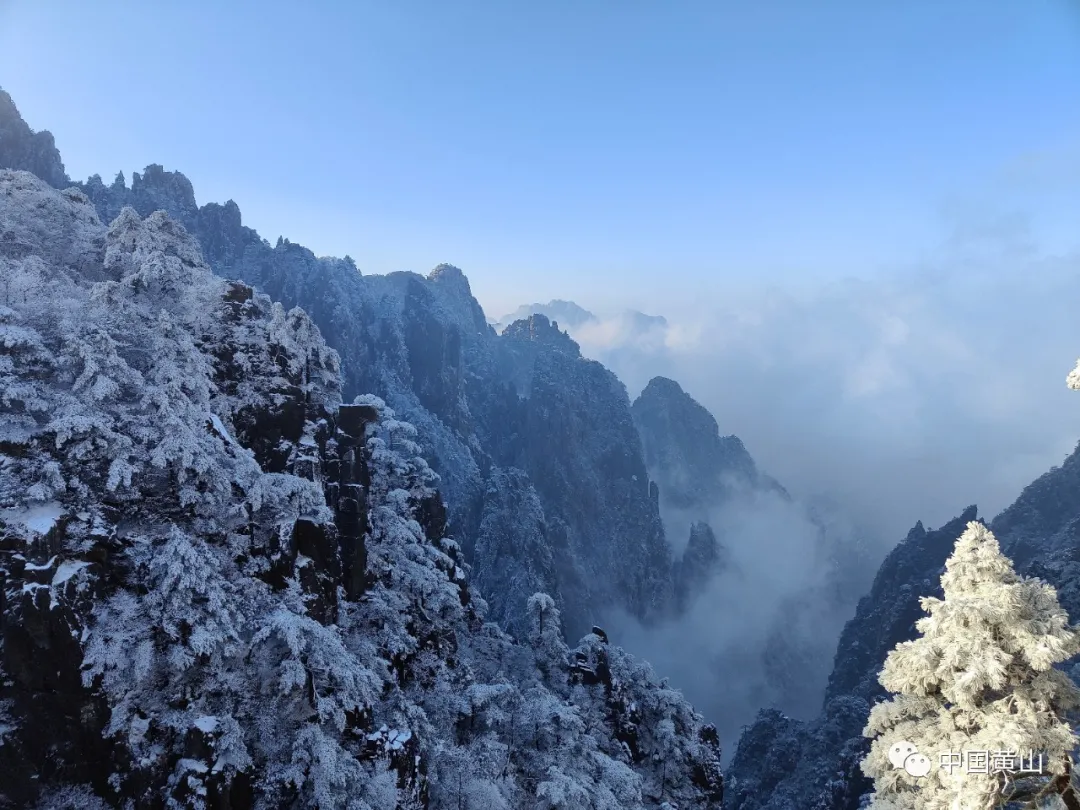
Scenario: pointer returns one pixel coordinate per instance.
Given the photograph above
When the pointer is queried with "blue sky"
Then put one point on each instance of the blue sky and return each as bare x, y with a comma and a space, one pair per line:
618, 153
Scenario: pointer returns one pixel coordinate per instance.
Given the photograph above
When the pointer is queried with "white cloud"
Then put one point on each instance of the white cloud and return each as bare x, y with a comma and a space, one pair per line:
905, 397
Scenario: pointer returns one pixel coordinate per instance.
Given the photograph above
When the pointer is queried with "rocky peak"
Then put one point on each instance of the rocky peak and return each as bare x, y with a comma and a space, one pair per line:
568, 313
693, 464
666, 389
453, 285
451, 276
917, 532
295, 249
538, 329
22, 148
221, 232
703, 558
228, 214
158, 190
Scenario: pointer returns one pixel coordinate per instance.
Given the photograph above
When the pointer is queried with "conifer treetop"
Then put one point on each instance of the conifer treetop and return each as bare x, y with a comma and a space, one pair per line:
980, 678
992, 630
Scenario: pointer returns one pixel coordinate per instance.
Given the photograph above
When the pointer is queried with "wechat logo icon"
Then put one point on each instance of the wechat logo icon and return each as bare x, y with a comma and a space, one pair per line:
905, 755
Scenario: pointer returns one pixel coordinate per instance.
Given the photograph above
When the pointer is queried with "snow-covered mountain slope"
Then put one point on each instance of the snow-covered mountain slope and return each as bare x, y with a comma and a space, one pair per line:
423, 345
167, 635
223, 587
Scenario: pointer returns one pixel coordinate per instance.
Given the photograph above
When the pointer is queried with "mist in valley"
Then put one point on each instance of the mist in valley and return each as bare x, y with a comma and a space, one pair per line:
877, 402
761, 632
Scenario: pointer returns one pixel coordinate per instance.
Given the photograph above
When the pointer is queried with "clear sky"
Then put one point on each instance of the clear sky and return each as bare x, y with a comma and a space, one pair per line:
623, 153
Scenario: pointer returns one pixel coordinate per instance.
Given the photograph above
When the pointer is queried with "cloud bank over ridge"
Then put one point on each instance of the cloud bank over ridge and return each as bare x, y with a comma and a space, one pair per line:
902, 397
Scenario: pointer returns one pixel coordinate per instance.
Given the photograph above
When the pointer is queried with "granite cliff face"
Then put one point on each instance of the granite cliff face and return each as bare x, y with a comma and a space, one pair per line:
575, 437
695, 467
25, 149
220, 586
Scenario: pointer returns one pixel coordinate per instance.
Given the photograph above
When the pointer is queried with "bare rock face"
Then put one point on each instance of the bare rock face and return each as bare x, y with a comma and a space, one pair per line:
702, 559
694, 466
25, 149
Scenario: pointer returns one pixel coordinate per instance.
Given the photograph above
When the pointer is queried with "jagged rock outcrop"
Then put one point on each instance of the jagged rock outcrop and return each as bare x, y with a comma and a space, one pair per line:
153, 190
629, 329
222, 587
695, 467
569, 314
702, 559
25, 149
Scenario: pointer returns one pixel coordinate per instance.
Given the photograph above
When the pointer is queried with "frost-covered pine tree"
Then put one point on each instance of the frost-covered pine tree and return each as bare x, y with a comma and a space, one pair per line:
545, 634
977, 694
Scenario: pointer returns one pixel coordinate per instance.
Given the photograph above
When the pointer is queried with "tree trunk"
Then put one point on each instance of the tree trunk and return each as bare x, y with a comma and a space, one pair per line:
1063, 786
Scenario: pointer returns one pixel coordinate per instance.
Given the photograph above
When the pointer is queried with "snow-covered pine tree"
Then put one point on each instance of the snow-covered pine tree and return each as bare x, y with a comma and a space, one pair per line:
977, 694
545, 636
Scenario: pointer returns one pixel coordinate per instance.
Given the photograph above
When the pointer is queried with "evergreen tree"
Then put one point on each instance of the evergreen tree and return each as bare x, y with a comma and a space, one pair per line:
976, 698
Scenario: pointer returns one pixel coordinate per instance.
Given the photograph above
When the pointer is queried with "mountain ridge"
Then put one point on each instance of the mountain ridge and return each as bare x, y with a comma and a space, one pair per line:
222, 586
423, 344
